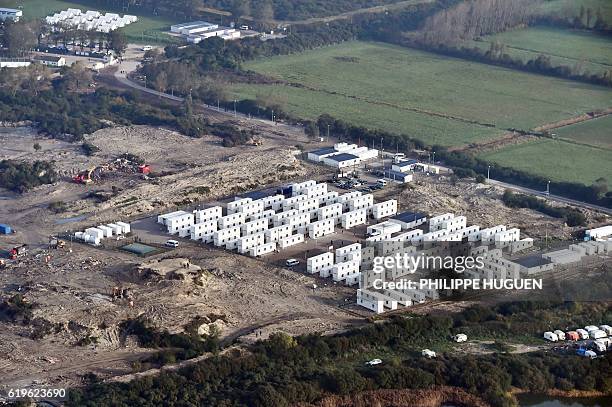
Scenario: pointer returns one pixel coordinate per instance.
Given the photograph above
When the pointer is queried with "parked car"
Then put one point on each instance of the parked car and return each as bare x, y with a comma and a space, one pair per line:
172, 243
292, 262
550, 336
586, 353
374, 362
460, 338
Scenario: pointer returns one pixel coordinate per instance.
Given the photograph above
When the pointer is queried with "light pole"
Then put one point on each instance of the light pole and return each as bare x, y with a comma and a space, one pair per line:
145, 80
489, 172
328, 126
272, 116
548, 188
434, 157
234, 107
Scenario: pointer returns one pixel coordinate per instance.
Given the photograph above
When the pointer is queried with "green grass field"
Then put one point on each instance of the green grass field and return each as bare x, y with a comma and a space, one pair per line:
597, 132
557, 160
572, 7
565, 47
434, 98
146, 29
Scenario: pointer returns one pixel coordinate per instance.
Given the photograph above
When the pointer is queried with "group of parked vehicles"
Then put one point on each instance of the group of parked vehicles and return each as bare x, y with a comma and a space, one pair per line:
599, 339
351, 183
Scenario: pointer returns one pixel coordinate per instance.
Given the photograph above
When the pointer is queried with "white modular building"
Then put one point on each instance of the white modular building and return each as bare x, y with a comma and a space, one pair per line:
225, 237
315, 191
503, 239
384, 209
263, 249
454, 224
598, 233
292, 203
95, 232
342, 161
321, 228
436, 222
162, 219
205, 215
246, 243
278, 219
488, 235
279, 232
320, 154
229, 221
360, 202
404, 166
332, 211
353, 218
348, 270
409, 220
232, 207
291, 241
344, 253
319, 263
125, 227
256, 226
204, 231
308, 205
180, 224
117, 229
345, 198
301, 220
329, 198
252, 208
262, 215
108, 232
298, 187
274, 202
386, 229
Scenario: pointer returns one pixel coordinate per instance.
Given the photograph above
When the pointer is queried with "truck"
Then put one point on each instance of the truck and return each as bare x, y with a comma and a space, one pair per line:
18, 251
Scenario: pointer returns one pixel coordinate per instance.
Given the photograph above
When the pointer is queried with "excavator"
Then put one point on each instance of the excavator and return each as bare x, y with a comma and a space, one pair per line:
84, 177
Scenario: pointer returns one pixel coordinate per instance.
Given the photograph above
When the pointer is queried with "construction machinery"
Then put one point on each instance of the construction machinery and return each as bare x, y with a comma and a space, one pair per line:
84, 177
144, 169
18, 251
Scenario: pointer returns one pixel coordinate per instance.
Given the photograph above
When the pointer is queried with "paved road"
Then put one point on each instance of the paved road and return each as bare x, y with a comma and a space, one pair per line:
551, 197
121, 77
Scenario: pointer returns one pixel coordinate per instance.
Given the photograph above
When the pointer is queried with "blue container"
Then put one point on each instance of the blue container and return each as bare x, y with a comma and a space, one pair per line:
5, 229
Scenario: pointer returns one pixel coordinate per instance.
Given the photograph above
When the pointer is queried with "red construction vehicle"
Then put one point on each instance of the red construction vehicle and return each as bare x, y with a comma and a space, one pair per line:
18, 251
144, 169
84, 177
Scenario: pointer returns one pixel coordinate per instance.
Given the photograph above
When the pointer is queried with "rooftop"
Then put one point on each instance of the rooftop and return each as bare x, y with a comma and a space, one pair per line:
323, 151
409, 216
343, 157
534, 260
406, 163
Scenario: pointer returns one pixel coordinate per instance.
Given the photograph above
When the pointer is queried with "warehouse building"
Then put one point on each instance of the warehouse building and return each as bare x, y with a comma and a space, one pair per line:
404, 166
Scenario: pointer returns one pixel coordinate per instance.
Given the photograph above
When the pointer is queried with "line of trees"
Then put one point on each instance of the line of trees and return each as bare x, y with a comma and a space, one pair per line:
572, 217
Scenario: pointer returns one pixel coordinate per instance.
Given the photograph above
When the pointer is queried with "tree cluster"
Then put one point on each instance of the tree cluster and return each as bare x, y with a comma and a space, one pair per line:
573, 217
22, 176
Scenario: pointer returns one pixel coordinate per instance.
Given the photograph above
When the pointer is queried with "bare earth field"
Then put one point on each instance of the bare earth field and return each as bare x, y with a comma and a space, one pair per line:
245, 299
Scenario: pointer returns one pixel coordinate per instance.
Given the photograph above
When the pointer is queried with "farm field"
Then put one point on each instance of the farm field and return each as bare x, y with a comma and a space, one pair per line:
597, 132
373, 83
572, 7
564, 47
557, 160
146, 29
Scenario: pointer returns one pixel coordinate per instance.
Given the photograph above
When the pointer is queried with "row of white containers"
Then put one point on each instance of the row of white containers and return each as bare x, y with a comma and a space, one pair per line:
94, 235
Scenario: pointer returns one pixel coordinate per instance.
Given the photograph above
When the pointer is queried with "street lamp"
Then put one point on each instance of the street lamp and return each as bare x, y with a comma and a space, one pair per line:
328, 126
489, 172
145, 80
234, 107
548, 188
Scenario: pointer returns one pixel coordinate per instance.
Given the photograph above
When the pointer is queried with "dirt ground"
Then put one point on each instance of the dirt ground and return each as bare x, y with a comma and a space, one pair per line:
71, 288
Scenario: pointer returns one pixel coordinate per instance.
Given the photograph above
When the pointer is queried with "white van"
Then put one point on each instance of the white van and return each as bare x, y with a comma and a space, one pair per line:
147, 48
550, 336
382, 182
172, 243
